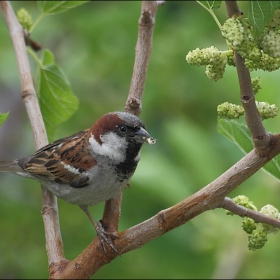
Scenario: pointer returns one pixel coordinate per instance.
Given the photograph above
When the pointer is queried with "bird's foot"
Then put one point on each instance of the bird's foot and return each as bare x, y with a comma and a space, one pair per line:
106, 237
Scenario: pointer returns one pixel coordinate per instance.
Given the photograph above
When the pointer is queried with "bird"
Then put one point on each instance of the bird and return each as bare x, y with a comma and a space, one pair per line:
89, 167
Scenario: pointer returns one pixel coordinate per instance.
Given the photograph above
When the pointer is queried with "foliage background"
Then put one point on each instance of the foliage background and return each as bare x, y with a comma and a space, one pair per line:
94, 44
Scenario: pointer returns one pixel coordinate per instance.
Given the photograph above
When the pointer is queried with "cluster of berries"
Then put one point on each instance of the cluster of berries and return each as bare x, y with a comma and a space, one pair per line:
214, 60
270, 37
259, 53
239, 37
233, 111
24, 19
257, 231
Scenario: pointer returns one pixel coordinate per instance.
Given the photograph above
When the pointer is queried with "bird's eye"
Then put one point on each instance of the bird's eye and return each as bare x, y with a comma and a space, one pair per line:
123, 129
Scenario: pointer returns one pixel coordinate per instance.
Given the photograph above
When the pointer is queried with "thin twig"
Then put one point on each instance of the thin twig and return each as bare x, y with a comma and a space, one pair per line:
142, 56
50, 212
242, 211
253, 119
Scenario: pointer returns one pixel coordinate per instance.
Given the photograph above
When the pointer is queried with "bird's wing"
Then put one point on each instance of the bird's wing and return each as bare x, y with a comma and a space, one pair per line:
64, 161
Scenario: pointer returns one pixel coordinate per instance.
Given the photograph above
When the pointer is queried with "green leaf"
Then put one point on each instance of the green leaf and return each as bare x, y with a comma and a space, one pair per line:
240, 135
237, 133
211, 4
48, 58
57, 101
273, 167
3, 117
260, 13
55, 7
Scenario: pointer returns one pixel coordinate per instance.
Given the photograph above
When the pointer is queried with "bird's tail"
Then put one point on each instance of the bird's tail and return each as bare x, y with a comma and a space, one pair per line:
10, 166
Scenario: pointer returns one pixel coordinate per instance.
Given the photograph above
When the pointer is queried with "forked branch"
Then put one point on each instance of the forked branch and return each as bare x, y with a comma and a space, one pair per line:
210, 197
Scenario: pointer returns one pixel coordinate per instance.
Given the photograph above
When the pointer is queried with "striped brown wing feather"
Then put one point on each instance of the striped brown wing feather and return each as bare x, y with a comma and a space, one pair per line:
50, 161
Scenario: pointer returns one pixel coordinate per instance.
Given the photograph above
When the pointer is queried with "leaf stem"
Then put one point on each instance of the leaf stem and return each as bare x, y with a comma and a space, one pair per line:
34, 56
37, 22
212, 14
227, 52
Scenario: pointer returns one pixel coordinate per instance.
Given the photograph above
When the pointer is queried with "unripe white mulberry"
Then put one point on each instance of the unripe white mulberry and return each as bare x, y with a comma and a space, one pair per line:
257, 239
269, 40
266, 110
271, 212
232, 111
270, 43
256, 84
24, 19
214, 60
238, 34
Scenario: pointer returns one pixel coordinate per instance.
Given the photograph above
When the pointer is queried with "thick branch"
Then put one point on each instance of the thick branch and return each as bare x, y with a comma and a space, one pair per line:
210, 197
254, 122
242, 211
142, 56
50, 212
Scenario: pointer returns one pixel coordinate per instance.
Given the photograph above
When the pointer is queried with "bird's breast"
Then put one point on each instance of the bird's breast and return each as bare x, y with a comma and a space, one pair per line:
103, 185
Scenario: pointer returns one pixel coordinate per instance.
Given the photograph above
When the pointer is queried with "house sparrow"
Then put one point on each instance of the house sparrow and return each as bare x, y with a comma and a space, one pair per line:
91, 166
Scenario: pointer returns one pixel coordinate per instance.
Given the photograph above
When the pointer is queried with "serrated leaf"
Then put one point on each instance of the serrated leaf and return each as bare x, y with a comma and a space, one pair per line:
240, 135
260, 13
55, 7
57, 101
3, 117
211, 4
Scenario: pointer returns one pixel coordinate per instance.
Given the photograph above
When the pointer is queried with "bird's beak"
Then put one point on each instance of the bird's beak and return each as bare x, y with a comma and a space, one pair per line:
141, 136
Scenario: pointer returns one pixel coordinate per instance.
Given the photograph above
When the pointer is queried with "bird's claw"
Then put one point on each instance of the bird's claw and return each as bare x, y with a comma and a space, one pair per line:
102, 234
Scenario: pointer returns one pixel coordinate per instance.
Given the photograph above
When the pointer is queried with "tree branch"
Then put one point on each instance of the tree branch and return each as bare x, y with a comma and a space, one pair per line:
112, 214
133, 105
232, 8
253, 119
242, 211
50, 212
142, 56
210, 197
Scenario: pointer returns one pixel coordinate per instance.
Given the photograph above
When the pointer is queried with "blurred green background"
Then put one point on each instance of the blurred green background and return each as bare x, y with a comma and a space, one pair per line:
95, 46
